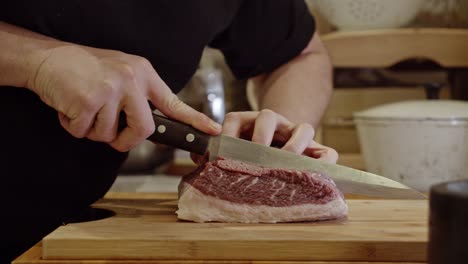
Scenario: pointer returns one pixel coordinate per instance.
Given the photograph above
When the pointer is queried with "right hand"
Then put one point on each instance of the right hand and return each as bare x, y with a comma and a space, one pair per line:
89, 88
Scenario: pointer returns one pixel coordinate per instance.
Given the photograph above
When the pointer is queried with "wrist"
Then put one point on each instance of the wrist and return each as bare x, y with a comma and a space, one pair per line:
21, 54
20, 62
33, 60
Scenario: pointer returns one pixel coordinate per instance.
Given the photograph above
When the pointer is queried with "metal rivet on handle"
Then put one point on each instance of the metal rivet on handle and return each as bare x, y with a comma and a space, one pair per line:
161, 129
190, 137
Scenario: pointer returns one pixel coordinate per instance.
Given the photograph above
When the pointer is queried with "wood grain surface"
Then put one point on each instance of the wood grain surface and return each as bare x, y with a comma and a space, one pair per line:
34, 256
146, 228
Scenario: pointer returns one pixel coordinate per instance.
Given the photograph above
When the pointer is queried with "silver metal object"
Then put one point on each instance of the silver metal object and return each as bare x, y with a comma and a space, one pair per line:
211, 81
145, 157
161, 129
347, 179
190, 137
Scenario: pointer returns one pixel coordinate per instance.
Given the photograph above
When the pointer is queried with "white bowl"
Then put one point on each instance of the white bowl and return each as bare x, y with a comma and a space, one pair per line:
417, 143
368, 14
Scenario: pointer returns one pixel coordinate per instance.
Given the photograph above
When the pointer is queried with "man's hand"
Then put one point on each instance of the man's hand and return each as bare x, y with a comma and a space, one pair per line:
89, 88
269, 128
272, 129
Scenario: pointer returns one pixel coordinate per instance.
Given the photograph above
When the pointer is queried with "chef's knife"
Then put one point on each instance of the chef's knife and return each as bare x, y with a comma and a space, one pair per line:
348, 180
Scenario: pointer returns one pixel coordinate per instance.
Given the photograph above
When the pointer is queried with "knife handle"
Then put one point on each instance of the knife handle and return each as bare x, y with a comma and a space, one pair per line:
179, 135
175, 134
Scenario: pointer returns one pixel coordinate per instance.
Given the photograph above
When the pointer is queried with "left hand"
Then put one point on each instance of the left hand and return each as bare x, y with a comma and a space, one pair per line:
272, 129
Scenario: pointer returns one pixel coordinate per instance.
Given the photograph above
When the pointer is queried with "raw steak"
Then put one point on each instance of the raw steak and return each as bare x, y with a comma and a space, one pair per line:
231, 191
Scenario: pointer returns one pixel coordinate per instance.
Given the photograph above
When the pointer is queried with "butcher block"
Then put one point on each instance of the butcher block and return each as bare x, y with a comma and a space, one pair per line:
146, 229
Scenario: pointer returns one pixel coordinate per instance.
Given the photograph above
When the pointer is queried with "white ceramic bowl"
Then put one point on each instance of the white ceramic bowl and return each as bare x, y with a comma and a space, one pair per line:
368, 14
417, 143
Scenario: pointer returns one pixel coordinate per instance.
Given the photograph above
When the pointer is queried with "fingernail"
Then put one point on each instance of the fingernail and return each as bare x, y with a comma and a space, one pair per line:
215, 125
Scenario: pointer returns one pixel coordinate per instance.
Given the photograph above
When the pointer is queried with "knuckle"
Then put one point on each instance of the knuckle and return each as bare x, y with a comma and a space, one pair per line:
106, 85
307, 127
127, 71
174, 105
268, 113
201, 117
73, 113
333, 152
85, 99
292, 148
108, 137
77, 130
147, 130
231, 117
122, 147
86, 103
77, 133
142, 62
332, 156
144, 130
107, 88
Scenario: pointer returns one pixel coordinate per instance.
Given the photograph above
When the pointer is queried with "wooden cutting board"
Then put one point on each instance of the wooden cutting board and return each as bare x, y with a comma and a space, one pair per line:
376, 230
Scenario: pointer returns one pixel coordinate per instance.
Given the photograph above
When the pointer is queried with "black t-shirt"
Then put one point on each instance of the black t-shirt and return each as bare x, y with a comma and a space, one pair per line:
49, 172
256, 36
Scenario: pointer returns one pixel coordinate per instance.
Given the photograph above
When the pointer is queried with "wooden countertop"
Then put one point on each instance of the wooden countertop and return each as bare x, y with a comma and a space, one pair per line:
33, 256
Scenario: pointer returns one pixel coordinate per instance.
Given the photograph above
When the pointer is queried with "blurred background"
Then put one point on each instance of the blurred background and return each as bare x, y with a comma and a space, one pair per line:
383, 51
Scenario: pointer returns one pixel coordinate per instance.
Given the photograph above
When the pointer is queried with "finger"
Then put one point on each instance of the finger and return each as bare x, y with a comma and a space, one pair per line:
195, 158
78, 126
265, 127
237, 122
198, 159
321, 152
140, 124
105, 125
268, 124
300, 138
171, 106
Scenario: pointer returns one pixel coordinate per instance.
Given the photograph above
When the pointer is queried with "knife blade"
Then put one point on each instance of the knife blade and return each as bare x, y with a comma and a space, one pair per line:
348, 180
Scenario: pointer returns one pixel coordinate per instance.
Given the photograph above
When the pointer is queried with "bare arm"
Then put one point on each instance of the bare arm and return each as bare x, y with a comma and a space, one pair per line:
22, 51
90, 87
292, 100
299, 90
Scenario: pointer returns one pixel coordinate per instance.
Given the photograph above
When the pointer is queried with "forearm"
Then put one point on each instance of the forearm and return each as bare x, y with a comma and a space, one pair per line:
21, 53
301, 89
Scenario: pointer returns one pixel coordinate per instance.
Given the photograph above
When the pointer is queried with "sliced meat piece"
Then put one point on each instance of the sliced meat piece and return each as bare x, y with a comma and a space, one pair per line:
231, 191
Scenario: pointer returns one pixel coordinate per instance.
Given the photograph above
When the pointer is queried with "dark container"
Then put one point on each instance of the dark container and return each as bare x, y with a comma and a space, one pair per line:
448, 223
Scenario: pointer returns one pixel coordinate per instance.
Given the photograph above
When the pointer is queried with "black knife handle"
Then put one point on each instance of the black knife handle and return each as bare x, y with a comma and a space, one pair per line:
175, 134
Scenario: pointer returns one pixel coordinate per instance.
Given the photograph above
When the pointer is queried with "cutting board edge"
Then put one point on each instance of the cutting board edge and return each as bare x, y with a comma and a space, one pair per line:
241, 251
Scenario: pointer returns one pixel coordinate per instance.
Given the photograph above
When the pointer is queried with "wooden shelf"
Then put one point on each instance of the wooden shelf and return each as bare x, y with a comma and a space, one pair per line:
384, 48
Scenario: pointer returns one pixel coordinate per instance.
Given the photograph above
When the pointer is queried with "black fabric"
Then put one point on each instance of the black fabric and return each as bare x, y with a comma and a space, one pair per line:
266, 35
255, 36
47, 174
